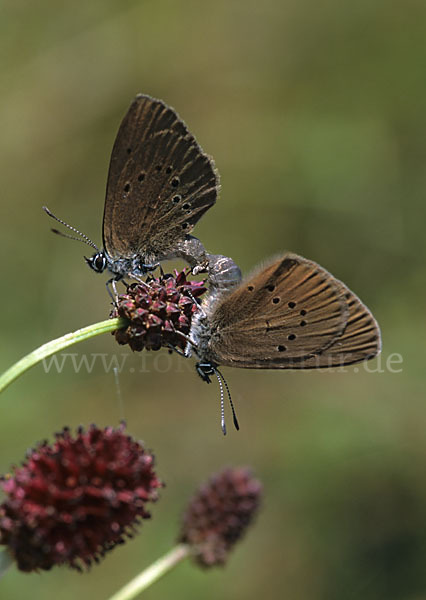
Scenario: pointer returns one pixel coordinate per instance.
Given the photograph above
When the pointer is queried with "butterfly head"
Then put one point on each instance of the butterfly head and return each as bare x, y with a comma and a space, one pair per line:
205, 369
98, 262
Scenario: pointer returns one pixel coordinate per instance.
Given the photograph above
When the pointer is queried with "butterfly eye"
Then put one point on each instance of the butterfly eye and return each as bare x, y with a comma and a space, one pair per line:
291, 337
97, 262
100, 262
127, 187
302, 323
175, 181
303, 313
281, 348
292, 304
276, 300
250, 288
141, 177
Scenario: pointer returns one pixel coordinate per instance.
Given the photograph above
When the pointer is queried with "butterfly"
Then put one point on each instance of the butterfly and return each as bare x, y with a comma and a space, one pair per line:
160, 183
291, 314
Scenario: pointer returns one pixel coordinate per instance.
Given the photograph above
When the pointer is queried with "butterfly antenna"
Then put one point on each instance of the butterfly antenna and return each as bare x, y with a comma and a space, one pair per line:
234, 414
83, 238
222, 403
65, 235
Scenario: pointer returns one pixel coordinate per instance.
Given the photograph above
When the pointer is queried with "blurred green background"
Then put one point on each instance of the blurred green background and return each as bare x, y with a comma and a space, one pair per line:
315, 115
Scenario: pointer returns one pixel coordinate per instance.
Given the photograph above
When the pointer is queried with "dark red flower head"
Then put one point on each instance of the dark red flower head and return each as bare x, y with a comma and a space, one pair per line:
73, 500
157, 311
219, 513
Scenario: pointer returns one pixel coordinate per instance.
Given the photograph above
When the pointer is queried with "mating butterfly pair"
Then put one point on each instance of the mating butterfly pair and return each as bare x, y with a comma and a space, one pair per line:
292, 314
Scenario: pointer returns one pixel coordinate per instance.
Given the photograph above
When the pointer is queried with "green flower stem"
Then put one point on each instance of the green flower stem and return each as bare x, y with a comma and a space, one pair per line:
152, 573
54, 346
6, 561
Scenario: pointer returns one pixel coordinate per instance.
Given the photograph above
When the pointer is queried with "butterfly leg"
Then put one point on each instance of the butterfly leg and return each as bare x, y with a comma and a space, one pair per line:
187, 353
177, 350
199, 306
139, 279
113, 283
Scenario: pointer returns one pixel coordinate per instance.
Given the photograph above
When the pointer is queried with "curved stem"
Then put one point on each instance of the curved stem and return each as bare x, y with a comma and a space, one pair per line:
54, 346
142, 581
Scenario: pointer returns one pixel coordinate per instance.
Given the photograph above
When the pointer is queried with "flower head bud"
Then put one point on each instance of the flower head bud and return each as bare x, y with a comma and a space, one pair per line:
72, 501
158, 311
219, 513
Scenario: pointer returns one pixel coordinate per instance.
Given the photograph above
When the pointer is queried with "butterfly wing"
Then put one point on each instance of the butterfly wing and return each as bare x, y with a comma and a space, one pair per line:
361, 339
160, 183
291, 315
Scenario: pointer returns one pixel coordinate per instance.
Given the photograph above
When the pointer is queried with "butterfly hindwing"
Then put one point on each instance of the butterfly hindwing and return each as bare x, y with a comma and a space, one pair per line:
361, 339
285, 314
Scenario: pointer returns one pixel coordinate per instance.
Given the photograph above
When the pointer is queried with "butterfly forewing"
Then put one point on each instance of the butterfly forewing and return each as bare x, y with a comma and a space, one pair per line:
287, 313
159, 184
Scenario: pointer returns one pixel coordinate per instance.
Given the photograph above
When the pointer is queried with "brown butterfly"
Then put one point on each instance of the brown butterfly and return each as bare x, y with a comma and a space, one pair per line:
160, 183
292, 314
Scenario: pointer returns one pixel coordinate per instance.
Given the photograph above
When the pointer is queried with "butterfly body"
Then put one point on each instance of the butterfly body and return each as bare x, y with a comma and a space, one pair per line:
120, 267
224, 277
